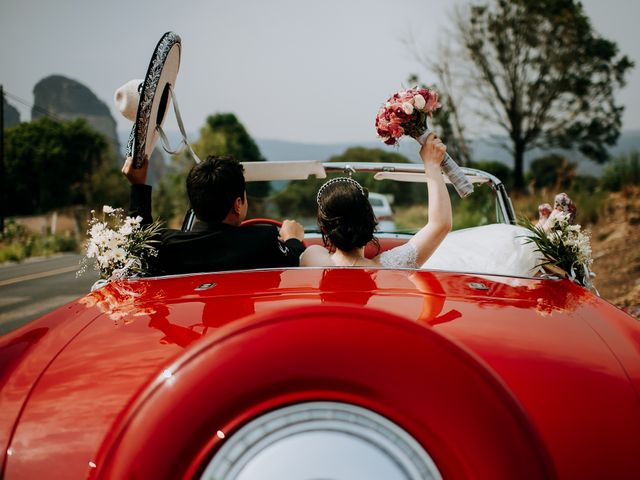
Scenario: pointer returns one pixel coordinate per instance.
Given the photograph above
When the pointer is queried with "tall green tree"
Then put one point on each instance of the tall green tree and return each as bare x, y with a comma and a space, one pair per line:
299, 198
53, 165
537, 71
222, 134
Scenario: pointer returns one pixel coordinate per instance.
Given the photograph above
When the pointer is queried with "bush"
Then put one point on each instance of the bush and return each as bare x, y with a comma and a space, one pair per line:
13, 252
16, 244
623, 171
585, 183
551, 171
499, 169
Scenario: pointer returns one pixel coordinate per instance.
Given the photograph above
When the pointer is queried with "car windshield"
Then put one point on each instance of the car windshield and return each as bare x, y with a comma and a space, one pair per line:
401, 207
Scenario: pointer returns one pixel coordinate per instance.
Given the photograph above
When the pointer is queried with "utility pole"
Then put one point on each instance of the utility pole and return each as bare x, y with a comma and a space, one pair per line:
2, 170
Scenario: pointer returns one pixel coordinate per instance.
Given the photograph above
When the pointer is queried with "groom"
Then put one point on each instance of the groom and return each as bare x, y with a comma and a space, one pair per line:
216, 189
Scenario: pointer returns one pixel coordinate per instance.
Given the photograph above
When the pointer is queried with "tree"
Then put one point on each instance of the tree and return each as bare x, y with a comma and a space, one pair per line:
499, 169
403, 193
537, 71
552, 170
52, 165
222, 134
299, 198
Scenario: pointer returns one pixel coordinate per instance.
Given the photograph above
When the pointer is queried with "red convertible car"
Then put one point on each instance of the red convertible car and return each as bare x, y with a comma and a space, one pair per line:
327, 373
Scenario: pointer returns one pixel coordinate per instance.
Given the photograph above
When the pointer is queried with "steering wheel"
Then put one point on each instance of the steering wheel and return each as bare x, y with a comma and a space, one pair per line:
265, 221
261, 221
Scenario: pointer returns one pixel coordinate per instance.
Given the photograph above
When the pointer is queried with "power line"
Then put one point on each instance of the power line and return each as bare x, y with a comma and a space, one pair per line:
46, 112
38, 108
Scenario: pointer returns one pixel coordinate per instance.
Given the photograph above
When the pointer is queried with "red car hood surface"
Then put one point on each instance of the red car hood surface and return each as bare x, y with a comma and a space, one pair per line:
570, 359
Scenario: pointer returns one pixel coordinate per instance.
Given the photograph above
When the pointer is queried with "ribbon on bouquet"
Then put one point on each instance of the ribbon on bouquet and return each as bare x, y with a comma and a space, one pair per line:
451, 169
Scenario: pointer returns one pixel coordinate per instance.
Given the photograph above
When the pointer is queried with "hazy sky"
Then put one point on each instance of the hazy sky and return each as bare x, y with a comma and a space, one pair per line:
300, 70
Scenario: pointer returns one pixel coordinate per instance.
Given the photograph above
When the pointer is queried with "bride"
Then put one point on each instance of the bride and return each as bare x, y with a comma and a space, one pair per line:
347, 221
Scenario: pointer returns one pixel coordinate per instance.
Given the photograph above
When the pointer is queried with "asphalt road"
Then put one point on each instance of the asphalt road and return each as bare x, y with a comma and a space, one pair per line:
37, 286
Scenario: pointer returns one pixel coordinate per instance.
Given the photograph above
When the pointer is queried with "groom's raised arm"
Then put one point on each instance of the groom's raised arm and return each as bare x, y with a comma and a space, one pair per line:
140, 194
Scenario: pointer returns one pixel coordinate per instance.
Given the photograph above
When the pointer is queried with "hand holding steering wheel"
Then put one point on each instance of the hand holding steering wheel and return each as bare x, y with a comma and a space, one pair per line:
268, 221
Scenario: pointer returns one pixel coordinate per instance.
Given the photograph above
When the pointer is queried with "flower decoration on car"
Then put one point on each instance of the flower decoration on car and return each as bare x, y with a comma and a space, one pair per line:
566, 248
119, 246
406, 113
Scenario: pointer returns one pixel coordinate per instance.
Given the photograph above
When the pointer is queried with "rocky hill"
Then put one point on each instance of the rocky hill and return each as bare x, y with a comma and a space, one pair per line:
11, 114
69, 99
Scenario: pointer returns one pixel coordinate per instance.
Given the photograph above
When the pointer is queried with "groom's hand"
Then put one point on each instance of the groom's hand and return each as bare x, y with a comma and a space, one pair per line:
135, 176
291, 229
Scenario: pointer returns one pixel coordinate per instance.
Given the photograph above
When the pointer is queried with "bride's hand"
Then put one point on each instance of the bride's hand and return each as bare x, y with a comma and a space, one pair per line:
433, 150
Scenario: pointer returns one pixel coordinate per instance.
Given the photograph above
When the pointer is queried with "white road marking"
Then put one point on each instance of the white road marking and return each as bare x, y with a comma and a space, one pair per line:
40, 307
35, 276
7, 301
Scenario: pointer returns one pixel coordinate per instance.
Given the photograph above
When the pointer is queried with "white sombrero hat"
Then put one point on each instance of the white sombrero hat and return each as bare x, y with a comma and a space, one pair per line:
146, 101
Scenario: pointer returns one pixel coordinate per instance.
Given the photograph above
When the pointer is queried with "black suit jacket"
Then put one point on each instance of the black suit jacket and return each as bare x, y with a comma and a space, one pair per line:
215, 247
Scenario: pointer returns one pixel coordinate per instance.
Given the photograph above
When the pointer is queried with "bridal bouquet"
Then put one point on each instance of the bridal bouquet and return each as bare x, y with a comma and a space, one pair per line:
407, 112
565, 247
120, 246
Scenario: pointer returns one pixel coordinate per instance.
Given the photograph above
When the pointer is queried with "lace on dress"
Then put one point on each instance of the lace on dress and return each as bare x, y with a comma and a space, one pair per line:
404, 256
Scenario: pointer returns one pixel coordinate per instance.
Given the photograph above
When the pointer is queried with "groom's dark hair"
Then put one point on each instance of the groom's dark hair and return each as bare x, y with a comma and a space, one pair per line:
213, 185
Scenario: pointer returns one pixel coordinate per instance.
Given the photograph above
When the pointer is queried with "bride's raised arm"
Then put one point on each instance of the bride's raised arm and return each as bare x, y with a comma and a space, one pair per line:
439, 222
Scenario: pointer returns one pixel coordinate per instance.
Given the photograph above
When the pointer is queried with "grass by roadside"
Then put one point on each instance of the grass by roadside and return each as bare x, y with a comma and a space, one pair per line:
16, 244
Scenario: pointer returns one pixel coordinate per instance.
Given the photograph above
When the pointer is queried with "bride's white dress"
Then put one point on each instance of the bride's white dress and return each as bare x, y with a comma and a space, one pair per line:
404, 256
491, 249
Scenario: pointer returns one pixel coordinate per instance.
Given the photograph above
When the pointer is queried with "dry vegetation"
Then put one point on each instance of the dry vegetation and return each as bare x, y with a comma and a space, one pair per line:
616, 250
613, 220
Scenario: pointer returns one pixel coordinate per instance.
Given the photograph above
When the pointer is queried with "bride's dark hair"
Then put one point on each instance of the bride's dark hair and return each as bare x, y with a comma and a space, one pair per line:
345, 216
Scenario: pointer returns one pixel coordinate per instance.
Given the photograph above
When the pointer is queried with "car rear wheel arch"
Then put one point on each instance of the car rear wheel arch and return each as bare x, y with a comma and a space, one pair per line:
442, 395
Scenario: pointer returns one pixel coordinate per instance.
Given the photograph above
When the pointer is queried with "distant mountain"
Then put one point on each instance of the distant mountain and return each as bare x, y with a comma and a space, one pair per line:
11, 114
283, 150
69, 99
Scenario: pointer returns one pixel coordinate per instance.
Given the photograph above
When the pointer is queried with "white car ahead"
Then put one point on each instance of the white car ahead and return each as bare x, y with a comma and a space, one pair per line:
383, 212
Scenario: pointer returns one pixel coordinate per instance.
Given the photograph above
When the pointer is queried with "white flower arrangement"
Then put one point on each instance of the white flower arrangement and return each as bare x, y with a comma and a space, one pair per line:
119, 246
565, 247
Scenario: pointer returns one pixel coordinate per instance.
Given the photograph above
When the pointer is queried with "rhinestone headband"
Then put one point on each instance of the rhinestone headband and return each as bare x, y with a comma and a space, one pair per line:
338, 180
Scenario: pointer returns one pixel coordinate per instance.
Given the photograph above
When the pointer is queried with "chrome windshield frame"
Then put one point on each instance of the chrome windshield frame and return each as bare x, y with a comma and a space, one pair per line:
504, 205
505, 212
